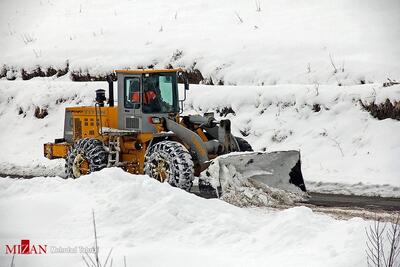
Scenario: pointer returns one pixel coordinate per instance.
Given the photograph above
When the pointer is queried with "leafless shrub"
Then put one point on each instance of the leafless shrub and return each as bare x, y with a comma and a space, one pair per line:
281, 135
95, 261
316, 107
333, 64
245, 132
12, 261
38, 53
177, 55
383, 110
11, 31
258, 6
41, 113
337, 145
316, 87
238, 16
3, 71
390, 83
27, 38
379, 255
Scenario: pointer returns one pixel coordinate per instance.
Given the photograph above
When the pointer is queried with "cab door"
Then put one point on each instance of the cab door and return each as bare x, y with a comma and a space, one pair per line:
129, 102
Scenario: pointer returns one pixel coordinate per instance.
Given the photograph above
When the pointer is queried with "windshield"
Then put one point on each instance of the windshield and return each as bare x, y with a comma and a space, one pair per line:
159, 91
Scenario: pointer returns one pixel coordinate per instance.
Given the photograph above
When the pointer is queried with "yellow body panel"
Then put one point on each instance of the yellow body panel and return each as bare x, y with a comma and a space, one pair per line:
84, 120
56, 151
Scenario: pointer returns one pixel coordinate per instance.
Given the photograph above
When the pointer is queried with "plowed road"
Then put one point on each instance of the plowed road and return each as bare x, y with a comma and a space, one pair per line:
351, 201
370, 203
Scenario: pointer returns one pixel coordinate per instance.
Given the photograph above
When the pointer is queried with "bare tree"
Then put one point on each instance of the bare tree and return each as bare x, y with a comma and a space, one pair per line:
393, 236
379, 255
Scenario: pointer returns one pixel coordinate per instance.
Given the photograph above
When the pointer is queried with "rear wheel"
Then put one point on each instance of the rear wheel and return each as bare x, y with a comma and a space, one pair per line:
243, 144
170, 162
85, 156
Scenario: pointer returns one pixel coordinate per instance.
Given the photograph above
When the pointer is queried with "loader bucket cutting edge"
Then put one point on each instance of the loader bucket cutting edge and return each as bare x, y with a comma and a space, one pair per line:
296, 177
279, 169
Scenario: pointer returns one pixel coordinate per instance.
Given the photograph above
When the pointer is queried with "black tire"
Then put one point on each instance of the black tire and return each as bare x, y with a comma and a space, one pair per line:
92, 150
243, 144
171, 162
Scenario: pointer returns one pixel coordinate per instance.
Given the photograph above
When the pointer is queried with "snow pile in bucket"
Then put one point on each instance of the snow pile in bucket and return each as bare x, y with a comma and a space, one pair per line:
247, 193
254, 178
154, 224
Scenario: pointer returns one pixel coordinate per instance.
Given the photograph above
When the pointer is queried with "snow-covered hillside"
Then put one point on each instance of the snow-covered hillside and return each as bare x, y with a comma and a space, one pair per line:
154, 224
339, 141
238, 42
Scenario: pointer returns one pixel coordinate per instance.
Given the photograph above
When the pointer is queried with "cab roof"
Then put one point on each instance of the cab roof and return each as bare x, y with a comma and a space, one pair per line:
143, 71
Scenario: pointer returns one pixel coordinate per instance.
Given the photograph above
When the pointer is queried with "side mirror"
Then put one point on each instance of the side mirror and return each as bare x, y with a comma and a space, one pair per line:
186, 85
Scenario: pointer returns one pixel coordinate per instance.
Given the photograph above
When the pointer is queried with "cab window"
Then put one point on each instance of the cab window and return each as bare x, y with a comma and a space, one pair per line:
132, 92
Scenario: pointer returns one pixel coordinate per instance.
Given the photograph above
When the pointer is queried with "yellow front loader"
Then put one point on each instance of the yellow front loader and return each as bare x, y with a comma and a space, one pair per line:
146, 134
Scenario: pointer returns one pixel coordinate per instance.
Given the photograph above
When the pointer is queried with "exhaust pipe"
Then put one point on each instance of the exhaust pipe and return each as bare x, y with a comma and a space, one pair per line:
110, 91
100, 97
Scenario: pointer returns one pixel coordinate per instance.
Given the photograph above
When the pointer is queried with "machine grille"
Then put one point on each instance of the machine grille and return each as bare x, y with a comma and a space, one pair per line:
77, 129
132, 123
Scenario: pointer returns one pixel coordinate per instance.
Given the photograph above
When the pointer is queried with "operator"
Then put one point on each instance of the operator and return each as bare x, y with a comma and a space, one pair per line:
151, 100
148, 96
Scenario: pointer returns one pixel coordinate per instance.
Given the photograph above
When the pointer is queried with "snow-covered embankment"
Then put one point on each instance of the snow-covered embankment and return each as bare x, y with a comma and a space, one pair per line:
342, 145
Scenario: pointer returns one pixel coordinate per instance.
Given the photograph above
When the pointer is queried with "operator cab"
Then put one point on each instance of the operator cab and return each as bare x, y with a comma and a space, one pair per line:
143, 94
158, 95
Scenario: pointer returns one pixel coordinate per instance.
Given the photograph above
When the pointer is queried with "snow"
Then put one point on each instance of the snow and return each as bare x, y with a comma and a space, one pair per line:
328, 42
342, 146
155, 224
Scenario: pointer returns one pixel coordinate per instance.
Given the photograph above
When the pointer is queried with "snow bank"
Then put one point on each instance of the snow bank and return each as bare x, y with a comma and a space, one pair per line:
341, 144
155, 224
283, 42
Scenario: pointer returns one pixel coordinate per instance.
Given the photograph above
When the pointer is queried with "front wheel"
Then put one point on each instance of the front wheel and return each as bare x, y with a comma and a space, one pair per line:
85, 156
171, 162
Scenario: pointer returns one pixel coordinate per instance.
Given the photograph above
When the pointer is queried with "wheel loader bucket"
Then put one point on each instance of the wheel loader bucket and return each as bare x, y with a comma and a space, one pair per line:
280, 169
